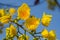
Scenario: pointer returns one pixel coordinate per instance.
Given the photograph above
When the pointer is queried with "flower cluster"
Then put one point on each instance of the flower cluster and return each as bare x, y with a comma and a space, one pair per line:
30, 24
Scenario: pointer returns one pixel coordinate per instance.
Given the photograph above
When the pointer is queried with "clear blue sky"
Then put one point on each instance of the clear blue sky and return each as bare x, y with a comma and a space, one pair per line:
37, 11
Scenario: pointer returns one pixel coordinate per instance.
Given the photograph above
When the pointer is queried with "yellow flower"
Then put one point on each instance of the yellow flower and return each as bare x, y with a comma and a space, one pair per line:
49, 35
45, 33
11, 31
32, 23
23, 11
5, 19
2, 12
46, 19
22, 37
52, 35
12, 11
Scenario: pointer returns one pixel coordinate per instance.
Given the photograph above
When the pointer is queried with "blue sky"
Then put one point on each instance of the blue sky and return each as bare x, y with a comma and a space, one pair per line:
37, 11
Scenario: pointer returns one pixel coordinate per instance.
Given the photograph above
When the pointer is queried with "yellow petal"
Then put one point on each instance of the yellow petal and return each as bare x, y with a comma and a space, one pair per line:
5, 19
32, 23
45, 33
52, 35
46, 19
12, 31
23, 11
7, 32
2, 12
22, 37
12, 11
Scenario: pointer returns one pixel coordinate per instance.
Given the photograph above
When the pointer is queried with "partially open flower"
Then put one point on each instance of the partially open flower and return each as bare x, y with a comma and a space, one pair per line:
2, 12
46, 19
52, 35
12, 11
45, 33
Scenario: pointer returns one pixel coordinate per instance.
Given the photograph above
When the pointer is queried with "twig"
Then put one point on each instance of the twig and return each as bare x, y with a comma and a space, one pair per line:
37, 33
19, 31
57, 3
23, 28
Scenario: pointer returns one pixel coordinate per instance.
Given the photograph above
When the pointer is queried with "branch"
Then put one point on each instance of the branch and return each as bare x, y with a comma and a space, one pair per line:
23, 28
37, 33
57, 3
19, 31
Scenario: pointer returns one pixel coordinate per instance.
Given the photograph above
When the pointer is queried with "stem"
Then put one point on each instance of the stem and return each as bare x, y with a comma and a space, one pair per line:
37, 33
23, 28
19, 31
25, 34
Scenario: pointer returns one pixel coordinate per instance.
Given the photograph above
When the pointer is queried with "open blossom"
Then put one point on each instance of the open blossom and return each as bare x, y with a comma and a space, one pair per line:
11, 31
49, 35
24, 11
22, 37
46, 19
32, 23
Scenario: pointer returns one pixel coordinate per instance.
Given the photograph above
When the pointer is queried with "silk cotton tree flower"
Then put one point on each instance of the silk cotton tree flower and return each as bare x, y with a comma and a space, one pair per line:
11, 31
32, 23
23, 11
23, 37
46, 19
